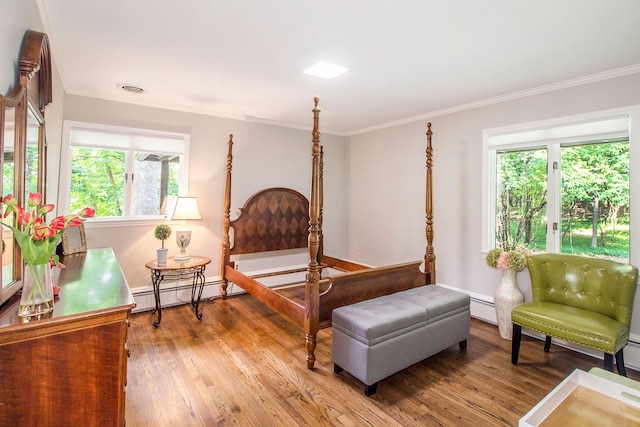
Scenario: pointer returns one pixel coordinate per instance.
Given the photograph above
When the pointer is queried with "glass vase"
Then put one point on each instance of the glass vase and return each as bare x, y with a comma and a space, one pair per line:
37, 291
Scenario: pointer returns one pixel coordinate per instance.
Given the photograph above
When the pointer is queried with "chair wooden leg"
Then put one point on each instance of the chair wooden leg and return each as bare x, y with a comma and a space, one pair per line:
620, 363
547, 344
515, 343
462, 344
608, 362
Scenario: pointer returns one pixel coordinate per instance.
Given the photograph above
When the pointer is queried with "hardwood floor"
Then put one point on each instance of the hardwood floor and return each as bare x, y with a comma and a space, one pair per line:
243, 365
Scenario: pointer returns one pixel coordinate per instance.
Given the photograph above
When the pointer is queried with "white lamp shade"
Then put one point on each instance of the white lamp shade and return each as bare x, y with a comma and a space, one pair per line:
186, 208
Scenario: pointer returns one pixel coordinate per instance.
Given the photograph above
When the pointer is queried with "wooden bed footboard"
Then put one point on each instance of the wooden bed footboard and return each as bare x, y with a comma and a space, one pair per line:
356, 286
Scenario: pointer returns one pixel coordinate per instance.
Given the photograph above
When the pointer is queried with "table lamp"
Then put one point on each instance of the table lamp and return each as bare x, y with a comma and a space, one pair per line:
186, 208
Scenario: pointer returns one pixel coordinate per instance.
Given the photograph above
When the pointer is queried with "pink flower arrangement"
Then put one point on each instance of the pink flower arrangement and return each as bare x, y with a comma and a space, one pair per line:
515, 259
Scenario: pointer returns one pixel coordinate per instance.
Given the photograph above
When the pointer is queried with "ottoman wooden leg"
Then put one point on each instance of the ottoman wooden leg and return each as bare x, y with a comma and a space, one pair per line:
369, 390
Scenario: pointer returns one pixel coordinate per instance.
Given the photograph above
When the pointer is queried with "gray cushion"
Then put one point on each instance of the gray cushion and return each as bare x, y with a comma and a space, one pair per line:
437, 301
385, 317
378, 317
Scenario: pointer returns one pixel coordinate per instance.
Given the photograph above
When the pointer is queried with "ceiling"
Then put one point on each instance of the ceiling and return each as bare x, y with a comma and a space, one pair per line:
408, 59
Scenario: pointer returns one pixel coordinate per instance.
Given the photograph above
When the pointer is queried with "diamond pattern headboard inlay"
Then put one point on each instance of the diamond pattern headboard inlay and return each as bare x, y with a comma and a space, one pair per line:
272, 219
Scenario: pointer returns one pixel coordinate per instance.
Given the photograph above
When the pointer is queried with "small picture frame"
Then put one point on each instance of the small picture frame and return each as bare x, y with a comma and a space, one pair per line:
74, 240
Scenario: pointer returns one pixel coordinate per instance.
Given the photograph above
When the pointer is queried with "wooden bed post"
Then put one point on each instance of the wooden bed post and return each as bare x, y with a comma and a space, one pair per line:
321, 207
429, 257
226, 244
311, 295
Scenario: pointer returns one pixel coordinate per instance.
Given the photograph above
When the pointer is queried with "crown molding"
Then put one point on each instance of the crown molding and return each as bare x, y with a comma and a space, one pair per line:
607, 75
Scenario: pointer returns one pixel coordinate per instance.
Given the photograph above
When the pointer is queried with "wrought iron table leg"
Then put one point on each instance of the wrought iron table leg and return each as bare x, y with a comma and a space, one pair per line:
156, 278
197, 288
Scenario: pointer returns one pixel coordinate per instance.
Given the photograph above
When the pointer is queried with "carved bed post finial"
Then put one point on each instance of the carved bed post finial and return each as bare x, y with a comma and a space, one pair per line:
312, 298
429, 257
226, 244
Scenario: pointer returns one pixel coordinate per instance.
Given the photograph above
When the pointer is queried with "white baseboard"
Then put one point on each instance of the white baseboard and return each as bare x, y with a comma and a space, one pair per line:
178, 293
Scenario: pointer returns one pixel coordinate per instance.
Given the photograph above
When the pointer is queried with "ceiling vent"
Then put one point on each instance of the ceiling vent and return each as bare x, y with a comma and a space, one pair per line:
137, 90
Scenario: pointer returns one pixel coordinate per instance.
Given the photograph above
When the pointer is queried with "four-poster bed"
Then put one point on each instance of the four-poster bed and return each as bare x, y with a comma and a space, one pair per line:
281, 219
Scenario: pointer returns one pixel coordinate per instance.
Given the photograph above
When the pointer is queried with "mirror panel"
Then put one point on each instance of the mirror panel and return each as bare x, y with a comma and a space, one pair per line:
10, 135
8, 166
32, 177
8, 174
22, 141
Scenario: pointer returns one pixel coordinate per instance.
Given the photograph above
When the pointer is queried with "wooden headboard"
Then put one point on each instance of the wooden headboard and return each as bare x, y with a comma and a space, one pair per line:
272, 219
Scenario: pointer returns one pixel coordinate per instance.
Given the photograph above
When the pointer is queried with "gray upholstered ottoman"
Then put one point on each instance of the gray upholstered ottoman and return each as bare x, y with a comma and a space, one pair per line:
376, 338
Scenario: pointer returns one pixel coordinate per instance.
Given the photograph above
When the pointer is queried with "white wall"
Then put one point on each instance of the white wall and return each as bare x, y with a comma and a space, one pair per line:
387, 195
18, 17
387, 173
263, 156
25, 16
387, 169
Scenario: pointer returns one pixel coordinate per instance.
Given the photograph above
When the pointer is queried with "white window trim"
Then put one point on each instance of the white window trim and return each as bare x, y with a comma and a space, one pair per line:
489, 147
64, 185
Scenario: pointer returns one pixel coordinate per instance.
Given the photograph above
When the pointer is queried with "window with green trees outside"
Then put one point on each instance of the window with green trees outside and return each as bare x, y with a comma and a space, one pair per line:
124, 173
567, 191
594, 199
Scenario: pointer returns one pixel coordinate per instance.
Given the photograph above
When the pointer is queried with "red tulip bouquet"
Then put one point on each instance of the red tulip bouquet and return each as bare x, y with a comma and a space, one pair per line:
38, 241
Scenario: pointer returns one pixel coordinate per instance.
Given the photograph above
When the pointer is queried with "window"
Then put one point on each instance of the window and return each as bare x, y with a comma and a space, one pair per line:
560, 187
521, 198
122, 173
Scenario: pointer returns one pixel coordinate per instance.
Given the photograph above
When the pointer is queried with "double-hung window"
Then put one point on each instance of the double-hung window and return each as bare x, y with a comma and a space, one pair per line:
123, 173
561, 186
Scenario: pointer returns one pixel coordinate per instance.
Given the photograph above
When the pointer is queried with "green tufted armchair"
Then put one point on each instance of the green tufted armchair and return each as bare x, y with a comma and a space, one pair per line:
587, 301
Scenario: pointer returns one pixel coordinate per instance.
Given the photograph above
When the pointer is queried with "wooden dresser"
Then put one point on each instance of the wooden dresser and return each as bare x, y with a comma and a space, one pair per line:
69, 369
